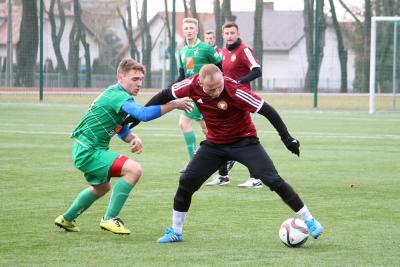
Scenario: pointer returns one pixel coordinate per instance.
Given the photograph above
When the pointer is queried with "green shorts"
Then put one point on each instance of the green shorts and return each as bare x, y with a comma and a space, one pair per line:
195, 114
94, 163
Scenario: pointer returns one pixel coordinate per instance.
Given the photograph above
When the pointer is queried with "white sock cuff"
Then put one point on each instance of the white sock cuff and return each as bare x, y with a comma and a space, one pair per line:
304, 214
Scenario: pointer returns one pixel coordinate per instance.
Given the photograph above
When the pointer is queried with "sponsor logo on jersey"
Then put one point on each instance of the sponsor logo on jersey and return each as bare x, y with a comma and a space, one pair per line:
222, 105
190, 63
233, 58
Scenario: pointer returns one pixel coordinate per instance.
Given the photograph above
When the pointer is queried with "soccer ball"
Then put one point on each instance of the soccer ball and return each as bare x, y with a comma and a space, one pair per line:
293, 232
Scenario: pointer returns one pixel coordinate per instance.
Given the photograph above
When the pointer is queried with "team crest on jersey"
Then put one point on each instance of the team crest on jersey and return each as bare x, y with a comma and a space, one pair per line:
222, 105
233, 57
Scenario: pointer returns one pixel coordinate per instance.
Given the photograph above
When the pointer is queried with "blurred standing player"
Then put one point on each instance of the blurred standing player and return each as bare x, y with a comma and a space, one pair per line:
209, 38
240, 64
91, 154
192, 57
226, 106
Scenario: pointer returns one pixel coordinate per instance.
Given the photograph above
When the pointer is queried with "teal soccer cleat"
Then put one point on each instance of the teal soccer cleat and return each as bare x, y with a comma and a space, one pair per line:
314, 227
170, 237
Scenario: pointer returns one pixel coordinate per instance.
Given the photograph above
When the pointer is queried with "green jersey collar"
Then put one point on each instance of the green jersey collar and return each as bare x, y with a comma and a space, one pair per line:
195, 43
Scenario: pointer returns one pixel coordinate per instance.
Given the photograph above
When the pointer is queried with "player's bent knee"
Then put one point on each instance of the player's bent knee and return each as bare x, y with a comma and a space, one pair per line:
100, 190
185, 127
132, 171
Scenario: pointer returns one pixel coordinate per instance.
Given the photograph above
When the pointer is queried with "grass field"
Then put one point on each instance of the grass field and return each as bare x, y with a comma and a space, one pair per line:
226, 226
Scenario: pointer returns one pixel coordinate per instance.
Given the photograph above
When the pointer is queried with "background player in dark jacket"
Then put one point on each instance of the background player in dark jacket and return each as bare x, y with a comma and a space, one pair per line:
240, 64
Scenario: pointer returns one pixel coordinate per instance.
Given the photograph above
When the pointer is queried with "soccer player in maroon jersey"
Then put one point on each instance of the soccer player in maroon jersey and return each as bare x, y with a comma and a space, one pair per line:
226, 106
240, 64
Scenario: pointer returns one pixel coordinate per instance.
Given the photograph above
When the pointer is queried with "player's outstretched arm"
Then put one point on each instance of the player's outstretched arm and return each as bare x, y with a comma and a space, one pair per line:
162, 97
180, 103
149, 113
272, 115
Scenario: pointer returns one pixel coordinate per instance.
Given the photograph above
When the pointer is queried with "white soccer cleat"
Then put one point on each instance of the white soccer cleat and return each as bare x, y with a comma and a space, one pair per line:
251, 183
219, 181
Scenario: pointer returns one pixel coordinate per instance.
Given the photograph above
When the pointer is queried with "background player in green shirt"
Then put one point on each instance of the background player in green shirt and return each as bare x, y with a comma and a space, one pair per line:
192, 57
91, 155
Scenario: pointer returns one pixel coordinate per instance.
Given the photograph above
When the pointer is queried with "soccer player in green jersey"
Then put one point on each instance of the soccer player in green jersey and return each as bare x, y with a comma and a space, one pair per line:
192, 57
91, 155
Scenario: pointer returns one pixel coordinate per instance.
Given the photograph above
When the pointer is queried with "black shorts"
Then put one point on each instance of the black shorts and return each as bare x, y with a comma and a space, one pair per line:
209, 157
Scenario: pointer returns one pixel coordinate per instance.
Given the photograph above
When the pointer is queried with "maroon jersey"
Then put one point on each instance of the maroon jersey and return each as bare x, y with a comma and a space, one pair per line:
228, 116
238, 62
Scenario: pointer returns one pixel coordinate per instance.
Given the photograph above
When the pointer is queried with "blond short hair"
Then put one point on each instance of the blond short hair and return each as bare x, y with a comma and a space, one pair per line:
191, 20
128, 64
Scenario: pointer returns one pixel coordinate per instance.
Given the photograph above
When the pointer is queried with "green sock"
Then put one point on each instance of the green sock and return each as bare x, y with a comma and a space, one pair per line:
120, 193
190, 139
83, 201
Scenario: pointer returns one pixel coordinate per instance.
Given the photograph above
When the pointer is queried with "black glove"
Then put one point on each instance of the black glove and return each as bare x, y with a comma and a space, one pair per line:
131, 121
292, 144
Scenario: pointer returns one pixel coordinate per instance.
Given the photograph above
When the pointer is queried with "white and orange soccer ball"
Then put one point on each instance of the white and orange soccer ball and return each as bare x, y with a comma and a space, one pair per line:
293, 232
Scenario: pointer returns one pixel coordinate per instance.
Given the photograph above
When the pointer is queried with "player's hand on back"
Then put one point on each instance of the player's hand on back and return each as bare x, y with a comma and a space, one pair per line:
292, 144
183, 104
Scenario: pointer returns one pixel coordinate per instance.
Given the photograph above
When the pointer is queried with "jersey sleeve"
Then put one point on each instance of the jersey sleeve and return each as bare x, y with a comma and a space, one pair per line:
243, 97
249, 59
213, 55
182, 89
141, 113
180, 63
118, 99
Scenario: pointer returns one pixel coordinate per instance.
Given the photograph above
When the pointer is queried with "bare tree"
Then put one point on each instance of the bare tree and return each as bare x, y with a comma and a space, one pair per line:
56, 34
140, 25
147, 44
218, 23
173, 65
134, 52
88, 67
342, 52
186, 8
73, 56
365, 41
168, 26
8, 66
76, 36
227, 12
196, 16
27, 46
258, 39
309, 32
